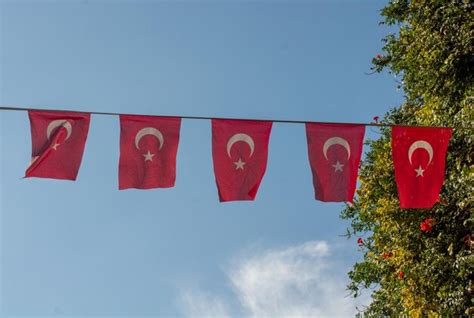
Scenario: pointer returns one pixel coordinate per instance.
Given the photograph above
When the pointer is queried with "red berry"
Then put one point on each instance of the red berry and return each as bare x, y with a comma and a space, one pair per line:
387, 255
426, 225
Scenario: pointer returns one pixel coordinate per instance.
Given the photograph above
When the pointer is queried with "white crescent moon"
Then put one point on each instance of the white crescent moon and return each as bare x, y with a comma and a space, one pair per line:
240, 137
56, 123
336, 141
420, 144
149, 131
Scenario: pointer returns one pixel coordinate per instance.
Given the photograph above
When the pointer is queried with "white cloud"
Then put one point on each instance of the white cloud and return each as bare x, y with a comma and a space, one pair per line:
296, 281
200, 304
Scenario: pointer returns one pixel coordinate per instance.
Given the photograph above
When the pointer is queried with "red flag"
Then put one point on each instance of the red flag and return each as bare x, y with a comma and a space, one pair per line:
239, 152
58, 140
334, 154
148, 147
419, 156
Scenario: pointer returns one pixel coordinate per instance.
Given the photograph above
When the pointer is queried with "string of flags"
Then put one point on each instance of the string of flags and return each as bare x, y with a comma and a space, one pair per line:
149, 145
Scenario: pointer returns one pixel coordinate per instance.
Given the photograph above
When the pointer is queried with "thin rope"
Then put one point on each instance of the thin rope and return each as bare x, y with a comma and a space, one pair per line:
286, 121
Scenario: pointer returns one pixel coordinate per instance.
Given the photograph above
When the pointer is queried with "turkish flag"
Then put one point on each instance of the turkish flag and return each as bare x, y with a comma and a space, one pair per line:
239, 152
334, 154
419, 155
148, 147
58, 140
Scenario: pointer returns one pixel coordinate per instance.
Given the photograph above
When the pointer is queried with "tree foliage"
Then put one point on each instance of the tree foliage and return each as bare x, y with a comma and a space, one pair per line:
419, 262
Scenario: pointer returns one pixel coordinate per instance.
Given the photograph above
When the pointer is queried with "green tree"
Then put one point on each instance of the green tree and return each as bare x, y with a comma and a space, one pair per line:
416, 273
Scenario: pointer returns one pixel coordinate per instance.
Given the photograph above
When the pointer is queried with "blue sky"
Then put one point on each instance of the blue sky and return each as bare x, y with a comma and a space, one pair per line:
86, 249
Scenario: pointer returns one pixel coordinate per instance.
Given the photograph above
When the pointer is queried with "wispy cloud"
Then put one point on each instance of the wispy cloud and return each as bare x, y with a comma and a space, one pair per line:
200, 304
295, 281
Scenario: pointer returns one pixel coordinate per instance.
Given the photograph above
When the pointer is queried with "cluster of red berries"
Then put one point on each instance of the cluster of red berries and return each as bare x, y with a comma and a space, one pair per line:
386, 255
426, 225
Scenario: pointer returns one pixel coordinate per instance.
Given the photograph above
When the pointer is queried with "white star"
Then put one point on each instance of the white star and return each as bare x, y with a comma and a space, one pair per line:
239, 164
148, 156
419, 172
55, 146
338, 166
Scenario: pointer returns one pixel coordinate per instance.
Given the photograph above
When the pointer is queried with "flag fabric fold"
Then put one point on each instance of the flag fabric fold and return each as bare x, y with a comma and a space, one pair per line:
58, 140
334, 152
239, 152
419, 155
148, 148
